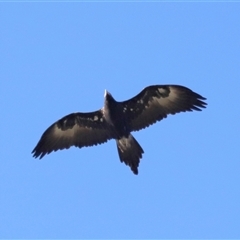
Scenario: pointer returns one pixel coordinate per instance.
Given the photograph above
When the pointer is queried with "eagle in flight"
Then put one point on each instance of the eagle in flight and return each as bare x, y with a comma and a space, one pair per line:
116, 120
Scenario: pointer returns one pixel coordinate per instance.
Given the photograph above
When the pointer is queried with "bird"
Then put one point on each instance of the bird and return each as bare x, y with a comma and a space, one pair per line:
117, 120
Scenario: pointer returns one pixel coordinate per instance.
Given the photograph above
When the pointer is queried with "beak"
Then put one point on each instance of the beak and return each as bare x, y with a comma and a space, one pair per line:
105, 93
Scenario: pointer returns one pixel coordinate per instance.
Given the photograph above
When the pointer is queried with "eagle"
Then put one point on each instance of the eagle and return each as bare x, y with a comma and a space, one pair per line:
116, 120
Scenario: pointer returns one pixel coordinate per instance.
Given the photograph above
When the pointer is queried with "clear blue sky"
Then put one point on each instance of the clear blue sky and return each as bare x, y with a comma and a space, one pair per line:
57, 58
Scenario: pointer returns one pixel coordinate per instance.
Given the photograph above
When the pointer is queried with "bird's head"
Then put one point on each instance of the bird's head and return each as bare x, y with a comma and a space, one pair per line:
105, 93
108, 97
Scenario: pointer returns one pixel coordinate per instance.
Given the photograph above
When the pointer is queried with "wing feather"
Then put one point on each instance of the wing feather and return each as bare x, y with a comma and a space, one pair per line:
155, 102
76, 129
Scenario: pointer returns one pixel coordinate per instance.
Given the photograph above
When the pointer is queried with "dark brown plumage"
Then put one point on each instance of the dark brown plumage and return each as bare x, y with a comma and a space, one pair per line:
116, 120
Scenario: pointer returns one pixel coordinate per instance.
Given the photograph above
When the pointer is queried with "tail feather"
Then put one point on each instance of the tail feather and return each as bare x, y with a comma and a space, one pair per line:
130, 152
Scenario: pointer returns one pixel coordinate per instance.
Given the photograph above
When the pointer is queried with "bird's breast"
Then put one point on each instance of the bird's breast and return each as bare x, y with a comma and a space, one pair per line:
115, 118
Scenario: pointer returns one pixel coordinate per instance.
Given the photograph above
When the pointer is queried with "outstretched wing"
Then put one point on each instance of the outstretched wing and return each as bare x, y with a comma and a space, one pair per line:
154, 103
76, 129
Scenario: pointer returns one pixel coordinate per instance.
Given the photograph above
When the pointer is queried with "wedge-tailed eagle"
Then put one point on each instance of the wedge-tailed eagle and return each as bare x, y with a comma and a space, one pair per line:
116, 120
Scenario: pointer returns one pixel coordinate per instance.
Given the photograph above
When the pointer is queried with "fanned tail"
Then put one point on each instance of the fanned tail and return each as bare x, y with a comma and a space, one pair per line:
130, 152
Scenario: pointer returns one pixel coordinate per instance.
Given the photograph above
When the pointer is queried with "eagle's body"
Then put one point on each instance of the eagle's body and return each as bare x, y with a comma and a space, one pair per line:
116, 120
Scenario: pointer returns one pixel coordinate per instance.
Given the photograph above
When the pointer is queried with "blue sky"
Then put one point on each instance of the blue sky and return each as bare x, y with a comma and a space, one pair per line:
57, 58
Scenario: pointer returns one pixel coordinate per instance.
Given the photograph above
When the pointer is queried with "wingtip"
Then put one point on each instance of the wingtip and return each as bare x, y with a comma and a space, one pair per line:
37, 154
